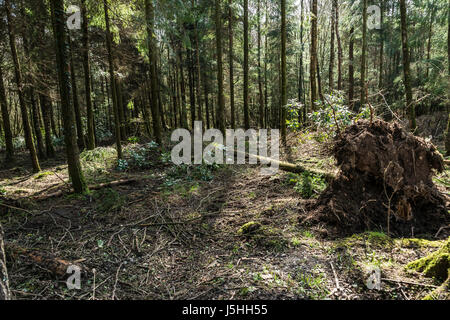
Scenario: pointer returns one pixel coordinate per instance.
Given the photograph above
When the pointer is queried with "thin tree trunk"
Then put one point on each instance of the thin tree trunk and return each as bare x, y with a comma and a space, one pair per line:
184, 120
87, 79
351, 69
76, 103
149, 15
246, 111
25, 119
313, 55
382, 32
447, 135
62, 58
221, 101
260, 85
406, 67
363, 55
430, 35
283, 72
332, 54
45, 108
340, 54
6, 121
230, 35
113, 82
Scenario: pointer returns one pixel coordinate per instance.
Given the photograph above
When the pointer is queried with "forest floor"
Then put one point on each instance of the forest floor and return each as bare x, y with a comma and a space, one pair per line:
183, 233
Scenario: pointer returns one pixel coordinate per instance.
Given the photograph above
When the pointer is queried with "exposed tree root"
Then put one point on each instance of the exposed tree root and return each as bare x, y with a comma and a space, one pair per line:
385, 183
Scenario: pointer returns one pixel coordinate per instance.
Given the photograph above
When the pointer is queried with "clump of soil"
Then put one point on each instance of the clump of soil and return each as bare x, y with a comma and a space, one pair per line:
385, 171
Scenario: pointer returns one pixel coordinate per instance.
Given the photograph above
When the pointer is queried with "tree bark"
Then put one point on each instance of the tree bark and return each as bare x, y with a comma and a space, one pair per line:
363, 55
313, 56
25, 119
351, 69
6, 121
260, 85
113, 82
283, 72
338, 38
231, 57
221, 101
87, 79
246, 111
62, 59
76, 103
406, 67
149, 15
332, 53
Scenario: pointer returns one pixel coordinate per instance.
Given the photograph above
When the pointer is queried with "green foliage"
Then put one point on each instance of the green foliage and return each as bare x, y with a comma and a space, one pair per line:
133, 139
122, 165
336, 111
307, 184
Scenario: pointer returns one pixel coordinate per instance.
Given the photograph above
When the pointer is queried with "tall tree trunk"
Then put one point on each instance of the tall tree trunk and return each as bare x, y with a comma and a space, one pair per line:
62, 59
149, 15
430, 35
6, 121
87, 79
184, 120
246, 111
338, 38
382, 35
221, 101
25, 119
313, 55
266, 95
363, 55
113, 82
260, 85
45, 108
29, 89
191, 87
198, 73
283, 72
332, 54
447, 135
351, 69
76, 103
406, 67
230, 35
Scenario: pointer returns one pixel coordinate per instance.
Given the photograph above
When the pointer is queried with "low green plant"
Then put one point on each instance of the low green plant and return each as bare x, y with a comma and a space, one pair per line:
309, 185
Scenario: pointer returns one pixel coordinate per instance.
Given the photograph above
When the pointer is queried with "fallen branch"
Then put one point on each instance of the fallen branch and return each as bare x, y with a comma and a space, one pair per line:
93, 187
409, 282
289, 167
44, 260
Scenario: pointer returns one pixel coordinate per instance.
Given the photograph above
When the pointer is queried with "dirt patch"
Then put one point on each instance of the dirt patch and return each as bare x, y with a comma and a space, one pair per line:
385, 182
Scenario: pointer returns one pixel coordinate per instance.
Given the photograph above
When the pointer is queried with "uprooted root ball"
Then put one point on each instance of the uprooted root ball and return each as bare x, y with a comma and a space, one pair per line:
385, 183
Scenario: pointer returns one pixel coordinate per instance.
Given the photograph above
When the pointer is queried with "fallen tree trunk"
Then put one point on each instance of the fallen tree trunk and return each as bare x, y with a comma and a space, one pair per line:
43, 259
290, 167
93, 187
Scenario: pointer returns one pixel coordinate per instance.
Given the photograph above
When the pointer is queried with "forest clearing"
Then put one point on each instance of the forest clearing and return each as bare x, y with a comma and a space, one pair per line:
95, 94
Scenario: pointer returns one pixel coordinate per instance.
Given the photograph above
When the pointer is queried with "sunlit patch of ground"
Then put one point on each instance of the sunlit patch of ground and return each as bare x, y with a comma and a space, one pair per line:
179, 234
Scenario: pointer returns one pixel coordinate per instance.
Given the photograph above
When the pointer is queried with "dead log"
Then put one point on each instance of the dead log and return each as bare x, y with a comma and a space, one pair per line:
45, 260
93, 187
290, 167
